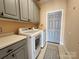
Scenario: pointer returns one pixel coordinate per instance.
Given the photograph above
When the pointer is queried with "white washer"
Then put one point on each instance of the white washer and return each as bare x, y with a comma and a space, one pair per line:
33, 41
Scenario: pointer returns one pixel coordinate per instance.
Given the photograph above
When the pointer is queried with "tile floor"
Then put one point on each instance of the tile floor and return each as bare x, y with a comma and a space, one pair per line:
41, 55
62, 53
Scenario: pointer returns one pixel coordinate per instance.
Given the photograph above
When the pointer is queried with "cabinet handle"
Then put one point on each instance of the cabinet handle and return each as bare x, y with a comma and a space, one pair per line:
28, 20
13, 55
9, 50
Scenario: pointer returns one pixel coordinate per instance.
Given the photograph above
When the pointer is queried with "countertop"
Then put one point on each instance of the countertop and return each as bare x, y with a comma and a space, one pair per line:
9, 40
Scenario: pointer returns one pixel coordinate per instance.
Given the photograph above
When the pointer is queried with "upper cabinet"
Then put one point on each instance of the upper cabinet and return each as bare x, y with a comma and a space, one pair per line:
36, 15
11, 9
31, 18
1, 7
24, 10
34, 12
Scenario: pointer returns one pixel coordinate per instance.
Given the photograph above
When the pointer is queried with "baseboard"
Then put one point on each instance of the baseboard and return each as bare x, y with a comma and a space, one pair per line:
52, 42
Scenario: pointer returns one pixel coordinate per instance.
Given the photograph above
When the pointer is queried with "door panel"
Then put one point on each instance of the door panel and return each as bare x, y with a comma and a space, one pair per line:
36, 13
11, 9
31, 10
54, 26
20, 53
1, 6
24, 10
54, 36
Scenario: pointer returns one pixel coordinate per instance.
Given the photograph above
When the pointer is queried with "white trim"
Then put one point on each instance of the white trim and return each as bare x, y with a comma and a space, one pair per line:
62, 26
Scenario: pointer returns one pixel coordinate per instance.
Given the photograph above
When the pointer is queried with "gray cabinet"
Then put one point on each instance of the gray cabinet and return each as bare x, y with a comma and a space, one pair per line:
24, 10
11, 9
15, 51
34, 12
1, 7
31, 18
36, 15
18, 54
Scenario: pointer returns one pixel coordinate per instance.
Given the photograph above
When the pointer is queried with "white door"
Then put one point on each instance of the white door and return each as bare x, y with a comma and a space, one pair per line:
54, 26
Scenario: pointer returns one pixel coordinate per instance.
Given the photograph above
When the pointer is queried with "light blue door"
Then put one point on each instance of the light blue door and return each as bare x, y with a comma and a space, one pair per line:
54, 26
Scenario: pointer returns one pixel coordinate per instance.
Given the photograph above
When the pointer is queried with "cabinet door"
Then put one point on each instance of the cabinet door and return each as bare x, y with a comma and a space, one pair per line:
11, 9
24, 9
36, 13
30, 10
1, 6
19, 54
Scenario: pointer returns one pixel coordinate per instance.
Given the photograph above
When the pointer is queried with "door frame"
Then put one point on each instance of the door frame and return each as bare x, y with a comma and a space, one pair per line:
62, 26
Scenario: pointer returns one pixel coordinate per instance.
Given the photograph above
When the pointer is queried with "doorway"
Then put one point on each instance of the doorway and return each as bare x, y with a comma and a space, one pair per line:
54, 23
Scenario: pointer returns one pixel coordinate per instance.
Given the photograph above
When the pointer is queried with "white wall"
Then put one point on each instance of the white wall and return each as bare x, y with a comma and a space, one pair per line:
72, 28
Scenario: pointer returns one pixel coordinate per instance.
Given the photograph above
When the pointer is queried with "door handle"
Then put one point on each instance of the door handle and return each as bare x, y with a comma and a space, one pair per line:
13, 55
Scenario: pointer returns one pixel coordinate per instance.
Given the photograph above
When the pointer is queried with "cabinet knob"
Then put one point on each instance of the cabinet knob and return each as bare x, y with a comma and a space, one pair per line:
28, 20
1, 13
9, 50
13, 55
